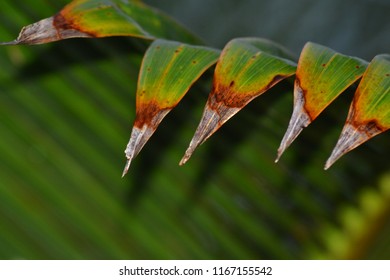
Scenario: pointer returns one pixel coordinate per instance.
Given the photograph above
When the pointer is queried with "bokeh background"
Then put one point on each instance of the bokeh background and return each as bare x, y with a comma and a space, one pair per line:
66, 111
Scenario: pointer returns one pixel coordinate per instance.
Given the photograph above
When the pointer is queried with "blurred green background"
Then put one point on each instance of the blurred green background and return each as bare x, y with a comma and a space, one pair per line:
66, 111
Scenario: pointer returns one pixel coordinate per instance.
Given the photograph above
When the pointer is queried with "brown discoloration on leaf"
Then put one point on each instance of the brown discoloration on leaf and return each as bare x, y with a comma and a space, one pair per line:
60, 22
66, 27
148, 113
369, 127
227, 96
230, 97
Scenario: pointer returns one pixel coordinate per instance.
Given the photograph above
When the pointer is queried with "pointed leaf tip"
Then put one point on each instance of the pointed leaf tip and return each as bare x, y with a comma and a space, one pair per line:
347, 141
126, 169
11, 43
299, 120
138, 138
202, 132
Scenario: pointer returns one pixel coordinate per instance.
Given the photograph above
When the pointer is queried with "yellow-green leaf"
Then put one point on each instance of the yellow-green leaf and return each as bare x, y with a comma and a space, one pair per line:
369, 114
322, 75
247, 68
104, 18
168, 70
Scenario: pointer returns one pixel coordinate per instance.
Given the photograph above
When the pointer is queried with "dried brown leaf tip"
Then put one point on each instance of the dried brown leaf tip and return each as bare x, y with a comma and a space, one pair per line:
246, 69
48, 30
322, 75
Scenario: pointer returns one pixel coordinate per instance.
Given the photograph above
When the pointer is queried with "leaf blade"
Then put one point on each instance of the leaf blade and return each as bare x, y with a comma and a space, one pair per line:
104, 18
322, 75
369, 114
168, 71
247, 68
